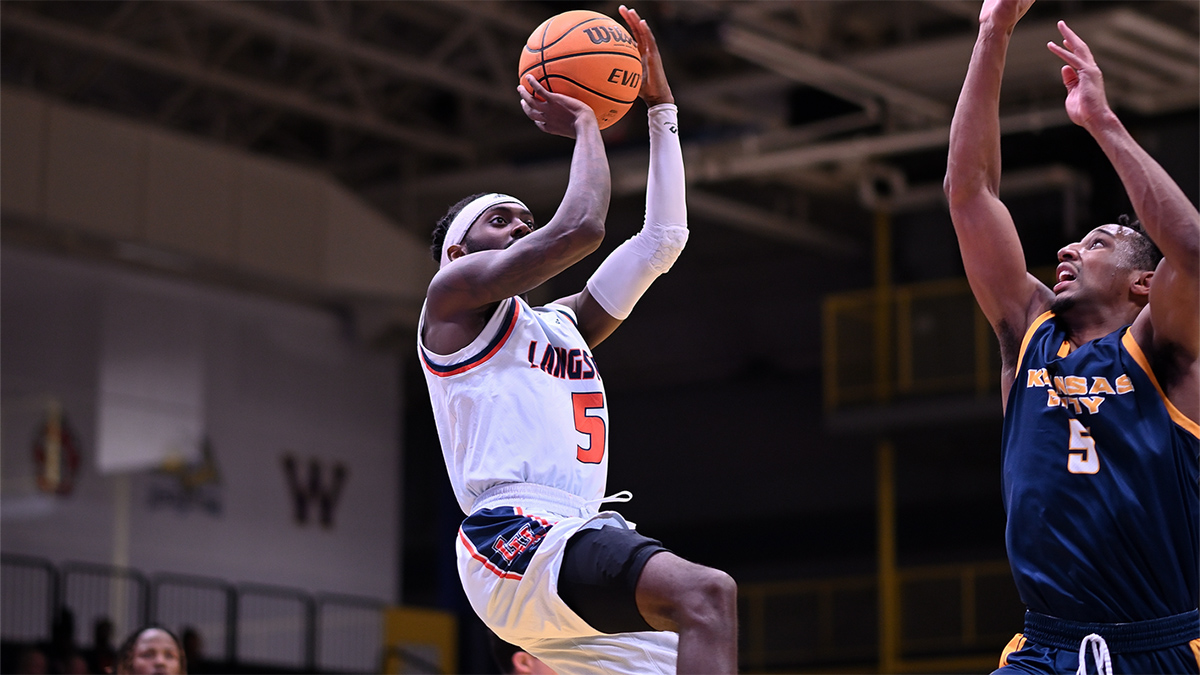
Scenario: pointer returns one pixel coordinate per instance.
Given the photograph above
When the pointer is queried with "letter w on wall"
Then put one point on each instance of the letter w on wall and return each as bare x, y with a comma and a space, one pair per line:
306, 493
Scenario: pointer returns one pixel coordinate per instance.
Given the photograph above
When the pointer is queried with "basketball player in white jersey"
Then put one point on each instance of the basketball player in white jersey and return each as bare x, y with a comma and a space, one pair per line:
523, 420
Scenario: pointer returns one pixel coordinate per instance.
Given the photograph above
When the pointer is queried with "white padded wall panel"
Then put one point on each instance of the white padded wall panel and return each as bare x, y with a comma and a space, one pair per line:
96, 174
282, 219
77, 170
364, 253
191, 197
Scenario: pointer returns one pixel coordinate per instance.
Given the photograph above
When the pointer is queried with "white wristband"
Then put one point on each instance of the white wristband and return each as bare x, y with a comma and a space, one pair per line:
628, 271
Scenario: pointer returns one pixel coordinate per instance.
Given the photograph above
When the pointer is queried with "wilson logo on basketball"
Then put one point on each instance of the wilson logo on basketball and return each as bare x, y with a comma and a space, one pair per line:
605, 34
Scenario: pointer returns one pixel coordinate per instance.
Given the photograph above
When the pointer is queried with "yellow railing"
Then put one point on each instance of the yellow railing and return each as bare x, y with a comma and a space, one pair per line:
420, 640
954, 618
895, 342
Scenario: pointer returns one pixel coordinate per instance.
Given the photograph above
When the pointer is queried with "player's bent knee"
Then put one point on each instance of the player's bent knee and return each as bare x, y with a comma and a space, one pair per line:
676, 593
712, 598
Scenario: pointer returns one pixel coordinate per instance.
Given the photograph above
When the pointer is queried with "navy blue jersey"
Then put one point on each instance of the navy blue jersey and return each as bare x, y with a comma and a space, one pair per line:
1101, 482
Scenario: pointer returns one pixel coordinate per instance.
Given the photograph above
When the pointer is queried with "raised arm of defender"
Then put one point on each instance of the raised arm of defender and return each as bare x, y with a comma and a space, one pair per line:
628, 271
992, 254
1164, 210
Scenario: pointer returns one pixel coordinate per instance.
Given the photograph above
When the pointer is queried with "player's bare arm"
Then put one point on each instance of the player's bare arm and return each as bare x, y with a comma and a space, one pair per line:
992, 254
462, 294
1169, 326
595, 323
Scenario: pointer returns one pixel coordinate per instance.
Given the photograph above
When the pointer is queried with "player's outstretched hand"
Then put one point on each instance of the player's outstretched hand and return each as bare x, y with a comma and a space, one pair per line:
1086, 99
556, 114
655, 89
1003, 13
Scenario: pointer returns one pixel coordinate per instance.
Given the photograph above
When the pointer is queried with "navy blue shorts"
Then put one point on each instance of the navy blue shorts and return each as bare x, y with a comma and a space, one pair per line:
1050, 645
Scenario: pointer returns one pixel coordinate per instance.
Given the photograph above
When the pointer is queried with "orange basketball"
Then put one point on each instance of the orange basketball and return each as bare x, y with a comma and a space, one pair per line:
588, 56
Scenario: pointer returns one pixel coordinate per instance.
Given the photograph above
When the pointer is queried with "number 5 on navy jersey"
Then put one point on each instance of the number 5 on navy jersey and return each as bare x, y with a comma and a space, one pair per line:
1087, 461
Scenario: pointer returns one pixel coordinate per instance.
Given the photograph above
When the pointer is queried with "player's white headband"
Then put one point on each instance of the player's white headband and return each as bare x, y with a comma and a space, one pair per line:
462, 222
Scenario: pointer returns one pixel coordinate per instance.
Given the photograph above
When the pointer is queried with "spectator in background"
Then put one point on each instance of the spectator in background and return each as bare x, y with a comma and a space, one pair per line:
104, 654
60, 657
151, 649
32, 662
513, 660
77, 665
193, 649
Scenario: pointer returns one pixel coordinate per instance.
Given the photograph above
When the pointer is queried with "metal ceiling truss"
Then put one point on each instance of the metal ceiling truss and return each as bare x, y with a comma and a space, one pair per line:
401, 100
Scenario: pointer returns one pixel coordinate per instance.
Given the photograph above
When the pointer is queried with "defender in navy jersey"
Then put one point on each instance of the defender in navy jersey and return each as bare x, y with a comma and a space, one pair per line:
1101, 388
522, 414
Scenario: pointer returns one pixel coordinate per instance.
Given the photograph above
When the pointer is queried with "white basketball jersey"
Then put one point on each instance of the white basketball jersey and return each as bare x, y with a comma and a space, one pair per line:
523, 403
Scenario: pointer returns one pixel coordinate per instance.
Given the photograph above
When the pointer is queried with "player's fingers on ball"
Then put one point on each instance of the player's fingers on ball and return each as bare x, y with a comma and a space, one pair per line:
538, 89
636, 23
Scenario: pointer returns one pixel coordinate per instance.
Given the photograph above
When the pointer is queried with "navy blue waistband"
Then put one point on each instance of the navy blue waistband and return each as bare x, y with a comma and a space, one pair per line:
1136, 636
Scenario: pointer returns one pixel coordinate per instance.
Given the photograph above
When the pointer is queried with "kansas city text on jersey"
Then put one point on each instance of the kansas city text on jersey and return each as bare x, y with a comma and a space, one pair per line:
1077, 393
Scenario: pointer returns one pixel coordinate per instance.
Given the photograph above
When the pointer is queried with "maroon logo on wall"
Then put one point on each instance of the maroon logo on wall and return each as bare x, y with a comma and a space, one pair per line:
313, 492
55, 453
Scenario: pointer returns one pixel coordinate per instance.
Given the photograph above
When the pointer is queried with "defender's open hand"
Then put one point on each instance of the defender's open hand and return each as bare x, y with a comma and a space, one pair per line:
1086, 99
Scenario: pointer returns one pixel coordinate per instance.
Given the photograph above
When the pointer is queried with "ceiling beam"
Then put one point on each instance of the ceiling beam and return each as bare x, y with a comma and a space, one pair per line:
501, 15
816, 72
1163, 37
1014, 183
709, 165
257, 90
729, 167
273, 26
742, 216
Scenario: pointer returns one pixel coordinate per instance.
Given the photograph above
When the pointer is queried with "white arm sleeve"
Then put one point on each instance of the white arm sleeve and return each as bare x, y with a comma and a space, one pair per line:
629, 270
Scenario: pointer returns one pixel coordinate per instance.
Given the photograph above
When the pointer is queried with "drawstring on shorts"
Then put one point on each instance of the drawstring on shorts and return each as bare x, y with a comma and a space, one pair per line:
620, 497
1099, 655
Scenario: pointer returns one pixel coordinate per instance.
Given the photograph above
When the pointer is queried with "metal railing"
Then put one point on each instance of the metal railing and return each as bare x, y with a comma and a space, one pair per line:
273, 626
946, 612
913, 340
203, 604
348, 635
28, 599
936, 339
273, 623
94, 592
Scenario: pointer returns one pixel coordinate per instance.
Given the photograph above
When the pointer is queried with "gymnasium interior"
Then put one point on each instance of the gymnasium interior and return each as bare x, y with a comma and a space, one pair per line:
214, 232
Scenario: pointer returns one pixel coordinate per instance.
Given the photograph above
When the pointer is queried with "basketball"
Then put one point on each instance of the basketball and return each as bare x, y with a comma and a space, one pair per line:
588, 56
